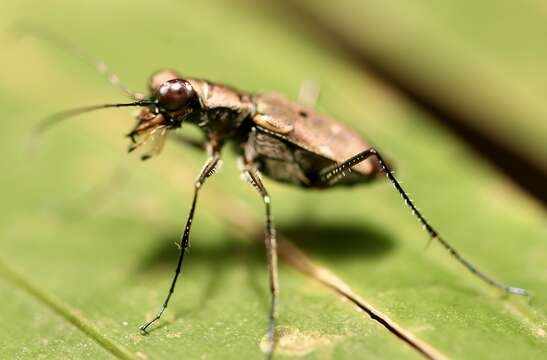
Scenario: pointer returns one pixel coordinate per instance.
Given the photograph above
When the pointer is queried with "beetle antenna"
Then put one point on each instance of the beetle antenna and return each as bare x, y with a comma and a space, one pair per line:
21, 29
54, 119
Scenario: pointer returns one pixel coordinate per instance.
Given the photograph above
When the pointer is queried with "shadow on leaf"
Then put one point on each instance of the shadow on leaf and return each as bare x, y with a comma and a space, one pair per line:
335, 239
344, 240
347, 240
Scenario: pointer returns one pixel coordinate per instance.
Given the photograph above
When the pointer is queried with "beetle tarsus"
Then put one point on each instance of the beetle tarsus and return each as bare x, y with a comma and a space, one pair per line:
143, 328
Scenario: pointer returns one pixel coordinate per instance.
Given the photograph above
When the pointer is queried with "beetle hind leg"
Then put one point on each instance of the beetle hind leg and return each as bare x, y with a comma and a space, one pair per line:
333, 174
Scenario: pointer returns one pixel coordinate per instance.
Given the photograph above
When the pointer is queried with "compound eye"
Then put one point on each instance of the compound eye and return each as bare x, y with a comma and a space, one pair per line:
175, 94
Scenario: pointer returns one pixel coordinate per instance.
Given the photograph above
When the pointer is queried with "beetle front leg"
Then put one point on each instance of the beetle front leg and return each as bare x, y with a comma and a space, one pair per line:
253, 177
333, 174
208, 169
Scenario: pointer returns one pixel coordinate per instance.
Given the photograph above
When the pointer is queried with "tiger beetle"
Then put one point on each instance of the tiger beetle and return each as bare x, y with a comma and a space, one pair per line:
286, 141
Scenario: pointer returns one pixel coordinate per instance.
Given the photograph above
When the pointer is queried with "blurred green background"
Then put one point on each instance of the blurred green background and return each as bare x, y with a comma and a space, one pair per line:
87, 233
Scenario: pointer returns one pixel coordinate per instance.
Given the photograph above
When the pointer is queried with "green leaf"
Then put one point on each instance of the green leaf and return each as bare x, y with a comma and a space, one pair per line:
480, 61
87, 234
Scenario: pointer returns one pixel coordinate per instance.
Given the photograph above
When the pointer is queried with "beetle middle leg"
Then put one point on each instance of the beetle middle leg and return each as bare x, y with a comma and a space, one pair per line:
208, 169
333, 174
252, 175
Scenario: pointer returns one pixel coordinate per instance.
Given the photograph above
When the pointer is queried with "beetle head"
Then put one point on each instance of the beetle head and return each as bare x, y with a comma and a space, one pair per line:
173, 100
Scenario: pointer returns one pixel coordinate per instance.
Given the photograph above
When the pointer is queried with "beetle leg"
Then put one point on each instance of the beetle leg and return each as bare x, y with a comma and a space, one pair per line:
252, 175
309, 93
208, 169
334, 173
